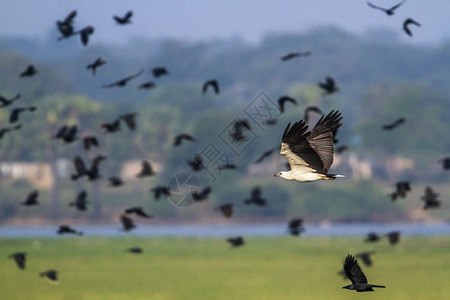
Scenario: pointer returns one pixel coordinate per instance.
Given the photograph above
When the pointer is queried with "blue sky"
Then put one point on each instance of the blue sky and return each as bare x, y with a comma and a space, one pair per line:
202, 19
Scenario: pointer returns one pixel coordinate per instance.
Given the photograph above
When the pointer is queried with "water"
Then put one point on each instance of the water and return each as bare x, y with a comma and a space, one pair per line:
222, 230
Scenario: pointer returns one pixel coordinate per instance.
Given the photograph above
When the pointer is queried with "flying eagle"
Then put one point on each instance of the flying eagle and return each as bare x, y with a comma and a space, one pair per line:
310, 154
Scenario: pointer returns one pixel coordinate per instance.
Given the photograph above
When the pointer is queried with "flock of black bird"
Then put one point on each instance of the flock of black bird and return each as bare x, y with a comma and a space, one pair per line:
69, 134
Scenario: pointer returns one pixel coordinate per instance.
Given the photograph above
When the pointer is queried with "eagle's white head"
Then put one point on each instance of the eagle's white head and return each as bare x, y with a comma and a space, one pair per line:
284, 174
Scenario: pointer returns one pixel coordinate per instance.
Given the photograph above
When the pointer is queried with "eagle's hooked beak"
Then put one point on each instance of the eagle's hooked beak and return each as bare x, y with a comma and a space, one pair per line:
275, 175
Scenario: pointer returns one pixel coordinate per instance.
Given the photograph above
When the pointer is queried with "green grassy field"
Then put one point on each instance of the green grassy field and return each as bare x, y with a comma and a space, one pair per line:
190, 268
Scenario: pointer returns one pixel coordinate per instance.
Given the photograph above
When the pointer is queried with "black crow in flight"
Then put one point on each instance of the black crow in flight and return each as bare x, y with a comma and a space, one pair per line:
365, 257
226, 209
236, 241
388, 11
65, 27
66, 229
430, 198
8, 129
295, 226
4, 102
255, 198
85, 33
282, 100
196, 163
125, 19
80, 202
159, 71
139, 211
213, 83
19, 258
122, 82
357, 277
89, 142
294, 55
97, 63
146, 170
406, 24
394, 124
29, 71
183, 136
127, 223
160, 190
50, 275
14, 116
329, 86
31, 199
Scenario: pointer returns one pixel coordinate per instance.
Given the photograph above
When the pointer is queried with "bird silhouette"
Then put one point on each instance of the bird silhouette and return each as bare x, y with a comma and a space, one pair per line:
139, 211
5, 130
357, 277
111, 127
389, 11
158, 191
341, 149
237, 241
311, 109
211, 83
202, 195
85, 33
393, 237
372, 237
445, 163
255, 198
32, 198
295, 226
65, 27
66, 229
226, 209
401, 189
430, 198
80, 201
129, 119
81, 170
126, 19
19, 258
147, 85
292, 55
127, 223
265, 155
196, 163
89, 142
4, 102
329, 86
366, 257
282, 101
183, 136
115, 181
146, 170
159, 71
67, 133
123, 82
50, 275
227, 166
29, 71
394, 124
406, 25
135, 250
97, 63
15, 113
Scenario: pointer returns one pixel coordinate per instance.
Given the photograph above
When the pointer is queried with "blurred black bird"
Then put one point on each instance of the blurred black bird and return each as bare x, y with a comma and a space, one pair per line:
97, 63
80, 202
294, 55
66, 229
125, 19
115, 181
183, 136
129, 119
211, 83
236, 241
159, 71
406, 25
85, 33
270, 122
29, 71
122, 82
198, 196
50, 275
372, 237
255, 198
8, 129
365, 257
394, 124
14, 116
139, 211
89, 142
111, 127
31, 199
147, 85
227, 166
81, 170
282, 101
158, 191
388, 11
329, 86
146, 170
226, 209
134, 250
357, 277
127, 223
430, 198
65, 27
401, 189
4, 102
445, 163
196, 163
265, 155
308, 110
19, 258
393, 237
295, 226
67, 133
341, 149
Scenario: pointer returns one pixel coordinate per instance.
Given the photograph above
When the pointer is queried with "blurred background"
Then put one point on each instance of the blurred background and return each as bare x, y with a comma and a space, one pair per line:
382, 74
